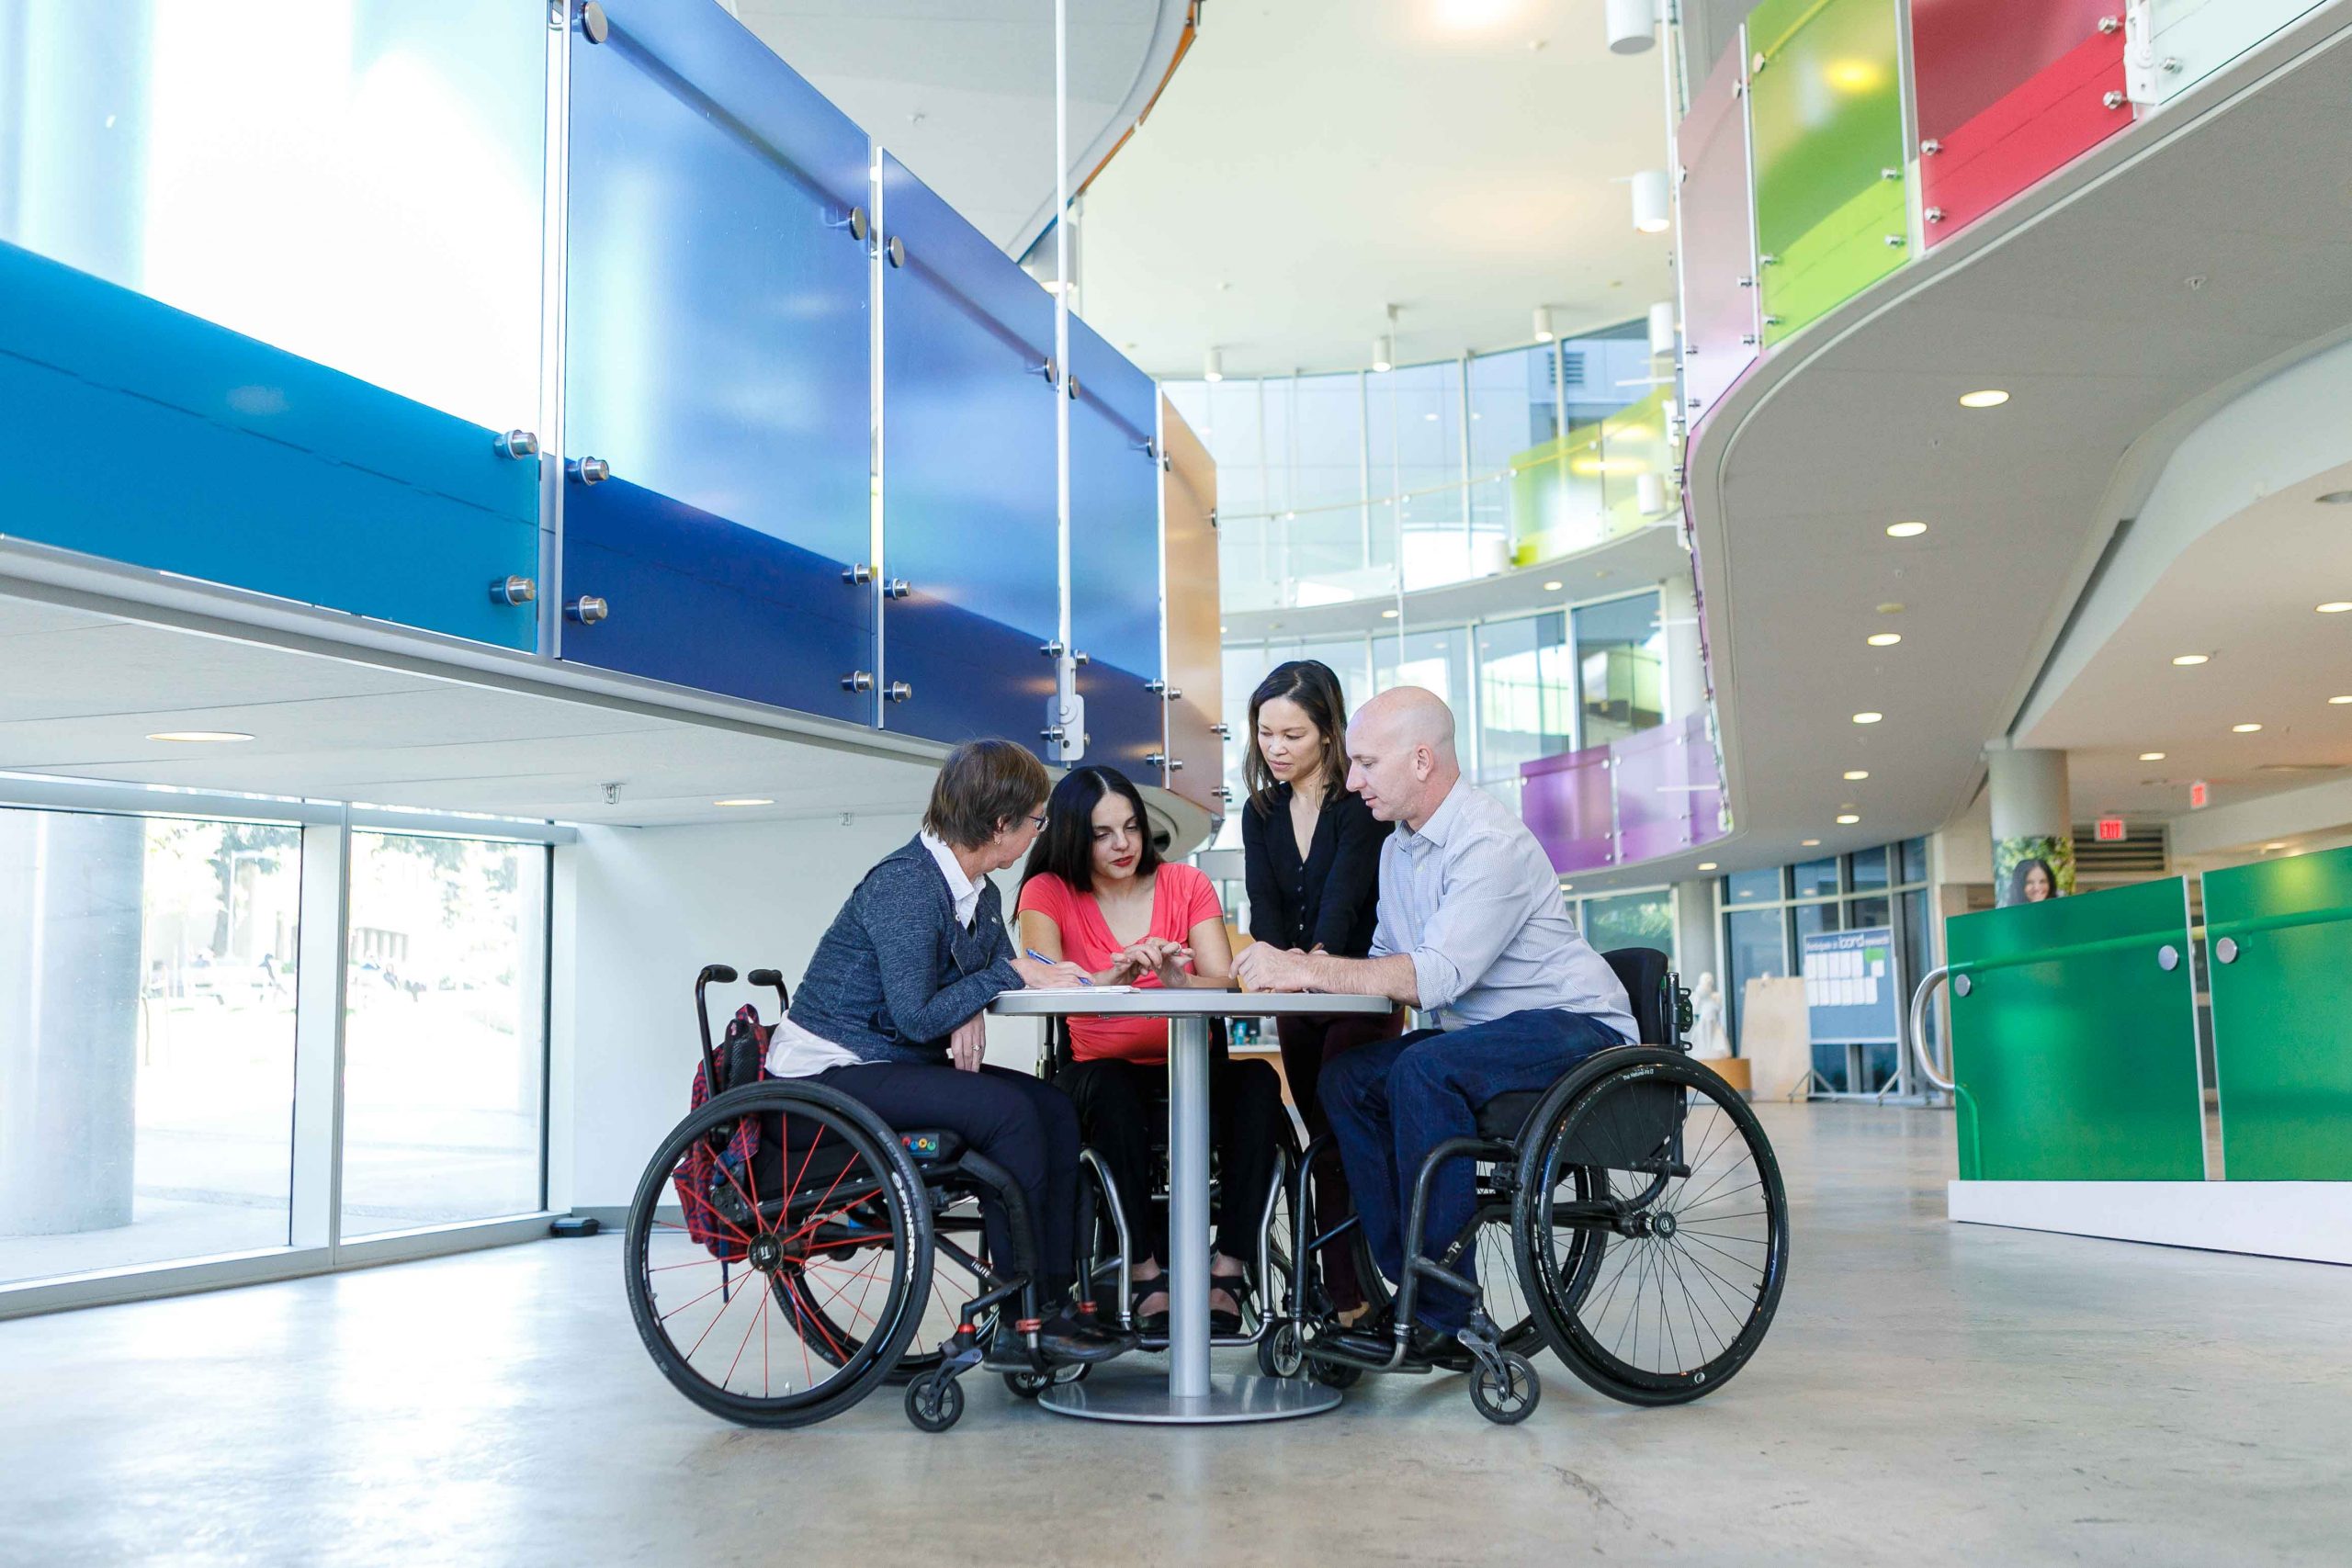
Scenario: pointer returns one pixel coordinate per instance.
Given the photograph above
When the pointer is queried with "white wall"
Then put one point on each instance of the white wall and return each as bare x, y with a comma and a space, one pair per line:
639, 911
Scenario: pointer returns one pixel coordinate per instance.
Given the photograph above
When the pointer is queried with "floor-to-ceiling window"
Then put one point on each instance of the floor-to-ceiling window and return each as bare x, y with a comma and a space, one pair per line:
147, 984
213, 1023
1621, 668
445, 1001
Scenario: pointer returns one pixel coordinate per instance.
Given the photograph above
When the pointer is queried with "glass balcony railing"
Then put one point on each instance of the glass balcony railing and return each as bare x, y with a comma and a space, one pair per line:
1654, 792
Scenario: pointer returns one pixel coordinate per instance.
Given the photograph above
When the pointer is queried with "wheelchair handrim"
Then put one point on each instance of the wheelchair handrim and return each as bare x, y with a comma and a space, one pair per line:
1715, 1277
815, 1251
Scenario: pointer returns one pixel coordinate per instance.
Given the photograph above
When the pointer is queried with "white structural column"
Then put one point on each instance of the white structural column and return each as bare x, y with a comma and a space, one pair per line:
2032, 818
70, 898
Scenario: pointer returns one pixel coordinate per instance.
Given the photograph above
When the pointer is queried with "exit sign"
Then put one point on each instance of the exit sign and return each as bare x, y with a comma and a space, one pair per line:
2110, 830
2198, 794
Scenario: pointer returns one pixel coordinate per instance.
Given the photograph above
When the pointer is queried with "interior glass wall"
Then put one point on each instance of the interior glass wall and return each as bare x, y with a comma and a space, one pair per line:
147, 982
1621, 668
444, 1038
1767, 914
1327, 482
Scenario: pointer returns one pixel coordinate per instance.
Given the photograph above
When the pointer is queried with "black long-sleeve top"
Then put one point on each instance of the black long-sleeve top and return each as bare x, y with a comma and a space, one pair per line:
1332, 897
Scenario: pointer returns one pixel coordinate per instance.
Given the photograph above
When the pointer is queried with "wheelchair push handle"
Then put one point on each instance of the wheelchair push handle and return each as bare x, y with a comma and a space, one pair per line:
774, 980
724, 975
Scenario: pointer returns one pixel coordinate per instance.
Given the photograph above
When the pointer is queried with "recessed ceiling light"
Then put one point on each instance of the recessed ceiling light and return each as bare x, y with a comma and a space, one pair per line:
1991, 398
1554, 587
1906, 530
1567, 886
1846, 819
2243, 728
1856, 774
1706, 866
1889, 609
1884, 639
2339, 701
1808, 843
1867, 718
1387, 614
1221, 631
2151, 756
745, 800
2185, 658
200, 737
2334, 606
2272, 849
2336, 498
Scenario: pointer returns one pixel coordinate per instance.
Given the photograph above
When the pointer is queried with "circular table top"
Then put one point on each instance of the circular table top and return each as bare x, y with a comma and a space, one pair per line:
1157, 1001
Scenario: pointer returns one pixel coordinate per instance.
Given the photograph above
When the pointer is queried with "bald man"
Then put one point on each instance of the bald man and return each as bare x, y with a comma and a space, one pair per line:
1472, 931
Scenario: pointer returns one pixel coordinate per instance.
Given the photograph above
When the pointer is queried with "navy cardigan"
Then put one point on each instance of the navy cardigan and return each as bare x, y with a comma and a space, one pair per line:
895, 974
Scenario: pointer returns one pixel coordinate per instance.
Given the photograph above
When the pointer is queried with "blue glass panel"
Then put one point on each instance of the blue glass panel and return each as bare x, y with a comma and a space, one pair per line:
1115, 554
968, 476
717, 332
356, 181
703, 602
253, 466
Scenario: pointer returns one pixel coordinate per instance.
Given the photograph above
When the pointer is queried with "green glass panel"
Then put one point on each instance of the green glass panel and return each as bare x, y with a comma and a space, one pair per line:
2280, 1049
2073, 1046
1826, 102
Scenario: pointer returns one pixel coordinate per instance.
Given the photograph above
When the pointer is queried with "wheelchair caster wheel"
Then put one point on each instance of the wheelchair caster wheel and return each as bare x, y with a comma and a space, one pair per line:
935, 1404
1029, 1385
1335, 1374
1506, 1393
1281, 1353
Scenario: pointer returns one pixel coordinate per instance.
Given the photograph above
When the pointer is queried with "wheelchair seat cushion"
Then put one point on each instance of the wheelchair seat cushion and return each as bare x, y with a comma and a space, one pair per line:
1504, 1115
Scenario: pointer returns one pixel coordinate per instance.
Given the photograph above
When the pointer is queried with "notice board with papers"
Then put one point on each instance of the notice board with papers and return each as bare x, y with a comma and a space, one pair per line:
1851, 992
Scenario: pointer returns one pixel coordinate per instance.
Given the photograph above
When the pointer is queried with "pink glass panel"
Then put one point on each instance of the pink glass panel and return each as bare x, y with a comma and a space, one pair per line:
1719, 320
1565, 802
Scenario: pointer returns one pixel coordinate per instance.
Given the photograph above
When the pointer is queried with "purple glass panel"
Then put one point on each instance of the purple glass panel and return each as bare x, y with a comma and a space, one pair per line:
1719, 320
1565, 802
1668, 797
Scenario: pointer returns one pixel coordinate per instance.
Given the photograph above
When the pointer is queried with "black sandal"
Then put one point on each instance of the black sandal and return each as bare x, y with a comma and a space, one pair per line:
1237, 1287
1153, 1323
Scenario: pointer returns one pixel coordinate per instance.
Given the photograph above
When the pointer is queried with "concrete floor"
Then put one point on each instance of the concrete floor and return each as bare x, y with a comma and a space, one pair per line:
1930, 1393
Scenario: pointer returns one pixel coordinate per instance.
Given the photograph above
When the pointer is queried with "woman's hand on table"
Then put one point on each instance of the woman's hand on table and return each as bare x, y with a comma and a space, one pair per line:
1154, 955
1040, 977
968, 1046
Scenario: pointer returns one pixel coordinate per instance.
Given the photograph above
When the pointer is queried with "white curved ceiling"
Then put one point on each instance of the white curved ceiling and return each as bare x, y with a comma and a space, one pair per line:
1315, 161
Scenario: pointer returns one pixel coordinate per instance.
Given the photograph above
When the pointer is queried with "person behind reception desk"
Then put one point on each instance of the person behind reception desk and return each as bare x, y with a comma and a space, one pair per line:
892, 1011
1472, 931
1097, 892
1311, 851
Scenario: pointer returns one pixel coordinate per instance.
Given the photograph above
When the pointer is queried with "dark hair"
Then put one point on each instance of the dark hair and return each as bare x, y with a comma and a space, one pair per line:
2018, 876
1310, 683
983, 785
1065, 849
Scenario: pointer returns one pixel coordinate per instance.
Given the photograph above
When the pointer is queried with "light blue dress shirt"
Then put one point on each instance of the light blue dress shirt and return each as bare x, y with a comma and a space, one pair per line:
1474, 899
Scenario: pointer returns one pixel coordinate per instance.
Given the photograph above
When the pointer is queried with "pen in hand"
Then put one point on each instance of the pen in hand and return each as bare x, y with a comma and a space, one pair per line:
1041, 958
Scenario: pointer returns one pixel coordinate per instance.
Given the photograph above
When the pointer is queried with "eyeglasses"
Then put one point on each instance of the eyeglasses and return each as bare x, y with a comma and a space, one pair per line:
1038, 822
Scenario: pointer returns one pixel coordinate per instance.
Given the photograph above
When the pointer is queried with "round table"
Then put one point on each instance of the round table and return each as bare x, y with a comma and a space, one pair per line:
1190, 1395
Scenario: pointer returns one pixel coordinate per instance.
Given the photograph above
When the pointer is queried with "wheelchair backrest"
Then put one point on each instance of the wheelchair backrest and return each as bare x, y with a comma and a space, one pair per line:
1649, 981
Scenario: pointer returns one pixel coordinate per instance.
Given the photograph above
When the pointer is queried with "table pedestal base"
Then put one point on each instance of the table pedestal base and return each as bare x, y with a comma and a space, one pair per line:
1117, 1396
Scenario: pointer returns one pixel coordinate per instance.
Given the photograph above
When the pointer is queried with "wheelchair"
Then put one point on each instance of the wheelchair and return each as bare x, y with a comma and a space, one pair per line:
817, 1254
1631, 1217
1106, 1227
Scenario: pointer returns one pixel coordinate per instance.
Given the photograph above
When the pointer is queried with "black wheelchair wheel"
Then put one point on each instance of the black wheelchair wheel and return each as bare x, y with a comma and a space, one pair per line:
739, 1304
1280, 1351
1508, 1395
934, 1403
1651, 1227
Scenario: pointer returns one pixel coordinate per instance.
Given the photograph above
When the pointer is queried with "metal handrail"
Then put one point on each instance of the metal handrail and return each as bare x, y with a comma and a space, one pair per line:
1928, 983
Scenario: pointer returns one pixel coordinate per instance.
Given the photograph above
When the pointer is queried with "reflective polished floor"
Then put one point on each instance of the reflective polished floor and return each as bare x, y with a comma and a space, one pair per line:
1930, 1393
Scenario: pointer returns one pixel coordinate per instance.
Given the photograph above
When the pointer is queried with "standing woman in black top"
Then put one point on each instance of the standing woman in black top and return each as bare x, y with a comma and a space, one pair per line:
1312, 849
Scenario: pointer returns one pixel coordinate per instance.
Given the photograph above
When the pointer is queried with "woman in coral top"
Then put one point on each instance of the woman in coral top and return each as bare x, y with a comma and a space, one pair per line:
1097, 894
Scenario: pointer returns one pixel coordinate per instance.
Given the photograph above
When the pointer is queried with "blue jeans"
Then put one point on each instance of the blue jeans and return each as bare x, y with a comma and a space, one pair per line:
1391, 1102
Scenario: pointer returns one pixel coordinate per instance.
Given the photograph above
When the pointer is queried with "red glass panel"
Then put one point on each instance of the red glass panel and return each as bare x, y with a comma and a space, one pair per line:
2009, 91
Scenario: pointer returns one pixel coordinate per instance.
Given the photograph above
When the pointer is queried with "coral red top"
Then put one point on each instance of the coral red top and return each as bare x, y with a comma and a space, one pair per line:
1181, 898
